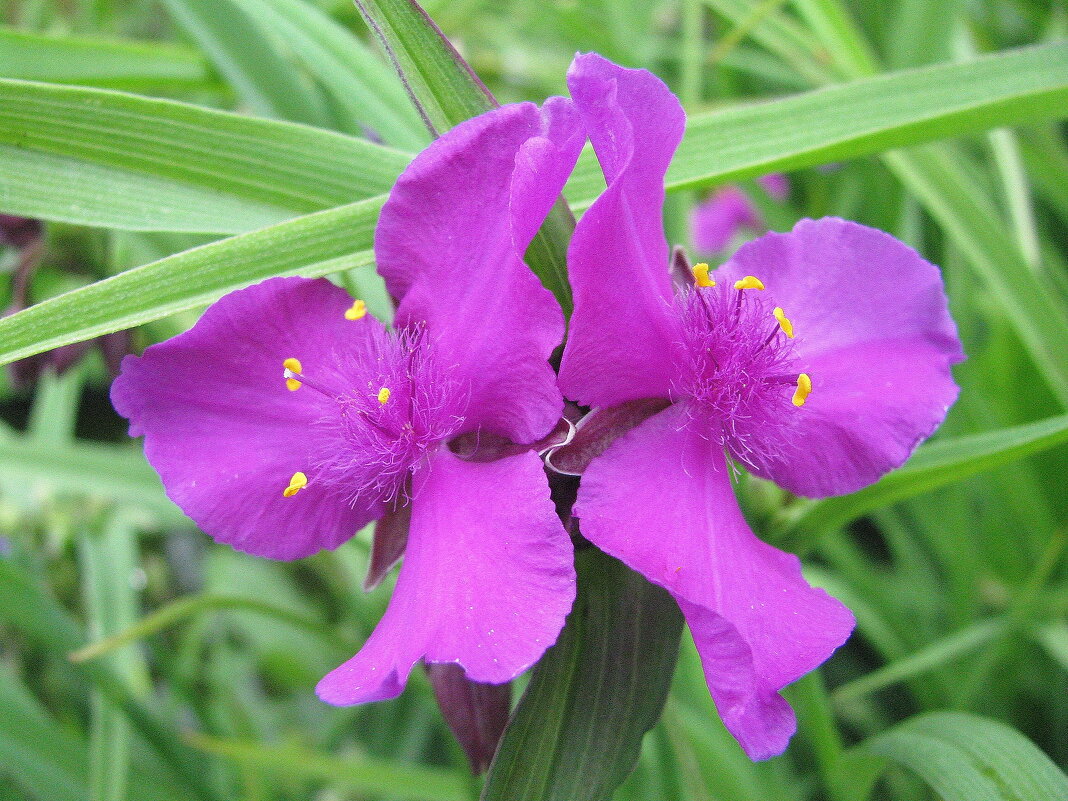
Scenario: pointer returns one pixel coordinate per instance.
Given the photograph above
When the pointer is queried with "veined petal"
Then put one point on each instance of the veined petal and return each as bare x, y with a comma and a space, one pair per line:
486, 582
450, 244
225, 434
874, 334
660, 500
622, 332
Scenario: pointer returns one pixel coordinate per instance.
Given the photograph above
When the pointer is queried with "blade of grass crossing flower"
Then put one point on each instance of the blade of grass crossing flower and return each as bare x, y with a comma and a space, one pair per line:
441, 85
446, 91
970, 758
111, 64
109, 159
253, 62
577, 731
932, 466
864, 116
312, 246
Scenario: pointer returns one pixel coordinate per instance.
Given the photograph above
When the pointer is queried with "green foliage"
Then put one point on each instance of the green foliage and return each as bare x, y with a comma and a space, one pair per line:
254, 138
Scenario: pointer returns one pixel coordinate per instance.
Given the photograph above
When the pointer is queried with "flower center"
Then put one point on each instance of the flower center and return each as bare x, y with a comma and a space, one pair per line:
383, 406
740, 374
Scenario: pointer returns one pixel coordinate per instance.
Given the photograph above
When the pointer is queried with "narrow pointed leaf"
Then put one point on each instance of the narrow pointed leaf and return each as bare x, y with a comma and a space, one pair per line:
578, 729
116, 160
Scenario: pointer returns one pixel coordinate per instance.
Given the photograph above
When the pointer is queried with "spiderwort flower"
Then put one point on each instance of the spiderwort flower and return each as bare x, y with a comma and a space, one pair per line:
289, 417
817, 358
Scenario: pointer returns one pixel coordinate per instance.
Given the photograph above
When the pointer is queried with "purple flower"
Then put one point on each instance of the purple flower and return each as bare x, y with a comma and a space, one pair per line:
288, 418
818, 359
714, 223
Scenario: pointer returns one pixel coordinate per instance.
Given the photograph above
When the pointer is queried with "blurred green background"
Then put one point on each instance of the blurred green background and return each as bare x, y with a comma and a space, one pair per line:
956, 574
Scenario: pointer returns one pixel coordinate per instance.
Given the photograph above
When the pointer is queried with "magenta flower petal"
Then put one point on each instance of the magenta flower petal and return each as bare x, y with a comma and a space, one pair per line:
873, 331
660, 500
450, 243
225, 434
619, 347
484, 585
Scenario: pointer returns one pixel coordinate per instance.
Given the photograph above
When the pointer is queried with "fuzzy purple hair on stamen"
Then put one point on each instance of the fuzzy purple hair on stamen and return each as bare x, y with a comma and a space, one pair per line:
739, 372
372, 446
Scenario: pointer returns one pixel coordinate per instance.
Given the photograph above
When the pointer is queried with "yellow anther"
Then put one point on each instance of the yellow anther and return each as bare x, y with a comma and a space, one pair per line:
700, 275
292, 367
784, 321
383, 395
296, 484
357, 311
804, 386
749, 282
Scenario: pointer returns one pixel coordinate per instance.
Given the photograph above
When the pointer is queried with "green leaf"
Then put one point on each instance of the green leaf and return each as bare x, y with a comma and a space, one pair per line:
367, 93
442, 86
970, 758
252, 61
973, 222
862, 117
105, 63
932, 466
362, 774
28, 608
313, 245
577, 731
104, 158
799, 131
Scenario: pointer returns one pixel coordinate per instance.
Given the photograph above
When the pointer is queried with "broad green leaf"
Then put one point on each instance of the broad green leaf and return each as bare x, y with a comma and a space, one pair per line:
862, 117
105, 63
313, 245
105, 158
577, 731
252, 61
932, 466
970, 758
446, 92
369, 96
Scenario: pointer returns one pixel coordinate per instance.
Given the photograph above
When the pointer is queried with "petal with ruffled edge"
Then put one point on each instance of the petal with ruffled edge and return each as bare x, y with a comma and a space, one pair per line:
873, 331
450, 244
223, 431
484, 585
622, 332
660, 500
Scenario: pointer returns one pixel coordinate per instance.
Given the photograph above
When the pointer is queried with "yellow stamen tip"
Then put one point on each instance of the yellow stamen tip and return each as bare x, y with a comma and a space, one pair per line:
296, 484
804, 387
749, 282
357, 311
700, 275
292, 367
784, 321
383, 395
